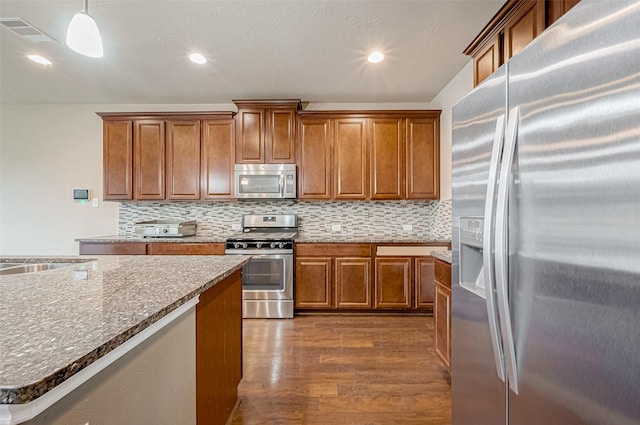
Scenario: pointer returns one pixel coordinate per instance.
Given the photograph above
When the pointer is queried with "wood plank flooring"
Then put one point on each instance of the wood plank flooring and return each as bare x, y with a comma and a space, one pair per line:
335, 370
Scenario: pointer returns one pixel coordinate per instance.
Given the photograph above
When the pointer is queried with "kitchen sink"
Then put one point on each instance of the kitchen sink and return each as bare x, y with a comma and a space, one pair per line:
15, 268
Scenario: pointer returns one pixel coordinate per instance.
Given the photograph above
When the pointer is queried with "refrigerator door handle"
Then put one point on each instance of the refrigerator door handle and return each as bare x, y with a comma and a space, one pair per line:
488, 270
502, 249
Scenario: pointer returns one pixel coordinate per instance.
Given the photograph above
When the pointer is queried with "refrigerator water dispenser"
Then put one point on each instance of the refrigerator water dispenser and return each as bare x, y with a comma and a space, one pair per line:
471, 271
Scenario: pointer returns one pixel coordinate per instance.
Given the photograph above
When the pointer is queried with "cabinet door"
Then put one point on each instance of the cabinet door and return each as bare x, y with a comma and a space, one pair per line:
113, 248
425, 290
314, 159
280, 136
353, 283
386, 145
250, 136
526, 25
183, 159
442, 313
218, 158
350, 159
117, 159
423, 158
149, 159
313, 283
393, 283
557, 8
487, 61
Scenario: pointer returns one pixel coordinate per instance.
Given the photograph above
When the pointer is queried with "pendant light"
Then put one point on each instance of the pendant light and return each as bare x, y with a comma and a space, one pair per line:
83, 35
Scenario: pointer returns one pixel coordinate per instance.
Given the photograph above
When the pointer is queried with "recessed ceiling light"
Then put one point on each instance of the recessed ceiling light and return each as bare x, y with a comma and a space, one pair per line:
197, 58
375, 57
39, 59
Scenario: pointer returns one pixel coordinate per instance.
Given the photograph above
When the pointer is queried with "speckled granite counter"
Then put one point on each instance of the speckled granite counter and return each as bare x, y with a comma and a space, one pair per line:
442, 255
301, 238
57, 322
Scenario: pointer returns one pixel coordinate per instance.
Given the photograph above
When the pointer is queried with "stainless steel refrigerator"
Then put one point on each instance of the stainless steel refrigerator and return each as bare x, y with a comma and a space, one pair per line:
546, 229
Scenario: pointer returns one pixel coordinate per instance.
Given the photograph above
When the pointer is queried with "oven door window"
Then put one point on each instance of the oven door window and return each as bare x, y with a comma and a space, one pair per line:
259, 184
264, 274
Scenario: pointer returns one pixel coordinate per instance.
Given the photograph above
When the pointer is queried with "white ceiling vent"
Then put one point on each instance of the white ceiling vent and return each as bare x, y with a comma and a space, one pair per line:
25, 30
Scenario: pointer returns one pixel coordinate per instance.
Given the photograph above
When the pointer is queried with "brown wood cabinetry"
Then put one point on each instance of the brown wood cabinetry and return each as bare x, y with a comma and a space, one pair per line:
424, 284
353, 283
350, 159
442, 312
515, 25
113, 248
148, 159
314, 158
313, 283
387, 160
151, 248
168, 155
359, 155
118, 159
266, 131
217, 144
183, 159
218, 350
393, 283
185, 248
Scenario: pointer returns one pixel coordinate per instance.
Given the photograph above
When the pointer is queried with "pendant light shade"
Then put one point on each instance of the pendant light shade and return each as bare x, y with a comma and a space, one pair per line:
83, 35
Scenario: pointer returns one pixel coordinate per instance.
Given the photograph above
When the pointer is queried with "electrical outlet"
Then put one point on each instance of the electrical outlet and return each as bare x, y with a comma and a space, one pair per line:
407, 227
236, 226
94, 203
336, 228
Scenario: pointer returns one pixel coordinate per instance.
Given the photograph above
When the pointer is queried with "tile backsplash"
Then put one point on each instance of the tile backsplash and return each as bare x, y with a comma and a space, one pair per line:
427, 219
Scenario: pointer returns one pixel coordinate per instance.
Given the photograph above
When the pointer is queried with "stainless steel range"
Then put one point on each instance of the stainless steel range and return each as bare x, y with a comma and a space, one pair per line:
267, 280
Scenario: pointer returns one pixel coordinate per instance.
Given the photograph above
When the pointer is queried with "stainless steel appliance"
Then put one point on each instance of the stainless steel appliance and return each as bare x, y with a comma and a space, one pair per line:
546, 230
265, 181
165, 228
267, 280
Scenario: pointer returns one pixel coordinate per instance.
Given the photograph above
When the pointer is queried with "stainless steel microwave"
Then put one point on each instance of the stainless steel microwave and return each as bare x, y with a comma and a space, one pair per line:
265, 181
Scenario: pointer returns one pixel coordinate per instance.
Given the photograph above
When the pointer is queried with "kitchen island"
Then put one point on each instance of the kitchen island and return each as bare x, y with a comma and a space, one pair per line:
121, 339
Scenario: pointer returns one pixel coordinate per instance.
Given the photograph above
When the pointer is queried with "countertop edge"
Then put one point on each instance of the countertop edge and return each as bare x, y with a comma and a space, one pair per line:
15, 396
444, 256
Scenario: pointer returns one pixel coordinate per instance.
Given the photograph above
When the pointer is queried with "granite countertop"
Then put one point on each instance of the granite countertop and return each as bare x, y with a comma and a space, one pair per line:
301, 238
442, 255
57, 322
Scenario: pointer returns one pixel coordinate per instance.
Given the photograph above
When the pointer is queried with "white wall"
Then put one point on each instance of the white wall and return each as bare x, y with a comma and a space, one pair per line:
46, 151
457, 88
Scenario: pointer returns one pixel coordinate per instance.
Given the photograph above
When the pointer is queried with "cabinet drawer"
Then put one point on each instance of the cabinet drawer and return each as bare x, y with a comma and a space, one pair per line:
443, 272
181, 248
336, 250
113, 248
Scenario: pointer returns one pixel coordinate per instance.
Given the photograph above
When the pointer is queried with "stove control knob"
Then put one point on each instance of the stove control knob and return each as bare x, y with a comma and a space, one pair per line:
258, 245
272, 245
245, 245
280, 245
238, 245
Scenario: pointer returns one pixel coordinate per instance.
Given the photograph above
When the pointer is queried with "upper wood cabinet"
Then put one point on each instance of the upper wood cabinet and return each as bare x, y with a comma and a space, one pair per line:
218, 154
266, 131
350, 162
148, 159
387, 160
168, 155
117, 156
314, 158
369, 155
515, 25
183, 159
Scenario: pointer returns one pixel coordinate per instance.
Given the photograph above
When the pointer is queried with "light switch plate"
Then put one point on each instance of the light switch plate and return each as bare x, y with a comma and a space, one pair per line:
336, 228
236, 226
407, 227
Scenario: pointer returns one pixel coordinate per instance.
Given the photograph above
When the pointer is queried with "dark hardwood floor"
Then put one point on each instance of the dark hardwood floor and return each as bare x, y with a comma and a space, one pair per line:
334, 370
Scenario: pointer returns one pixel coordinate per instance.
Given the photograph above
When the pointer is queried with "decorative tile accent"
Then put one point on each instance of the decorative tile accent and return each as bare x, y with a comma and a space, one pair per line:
366, 220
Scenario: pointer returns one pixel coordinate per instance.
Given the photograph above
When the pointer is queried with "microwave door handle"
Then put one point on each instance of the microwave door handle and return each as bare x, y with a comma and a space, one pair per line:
281, 185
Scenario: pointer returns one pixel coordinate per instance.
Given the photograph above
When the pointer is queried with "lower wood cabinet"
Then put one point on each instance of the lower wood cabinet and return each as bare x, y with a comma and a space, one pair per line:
442, 312
152, 248
350, 277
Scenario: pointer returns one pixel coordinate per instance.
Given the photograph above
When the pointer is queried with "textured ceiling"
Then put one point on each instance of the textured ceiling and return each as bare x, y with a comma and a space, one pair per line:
308, 49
